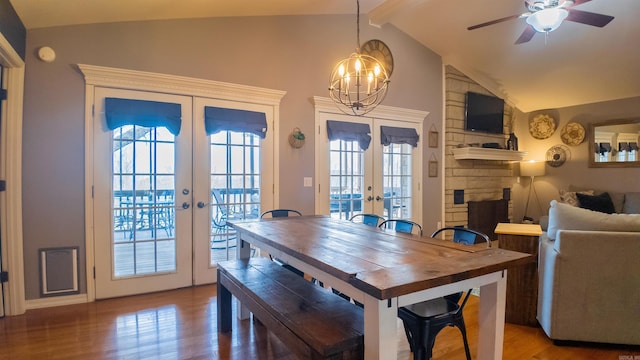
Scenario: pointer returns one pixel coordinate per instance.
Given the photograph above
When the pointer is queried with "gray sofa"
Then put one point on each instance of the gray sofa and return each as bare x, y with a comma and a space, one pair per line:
589, 274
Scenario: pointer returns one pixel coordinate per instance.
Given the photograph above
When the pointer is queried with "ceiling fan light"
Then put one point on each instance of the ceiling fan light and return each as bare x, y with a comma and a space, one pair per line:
548, 19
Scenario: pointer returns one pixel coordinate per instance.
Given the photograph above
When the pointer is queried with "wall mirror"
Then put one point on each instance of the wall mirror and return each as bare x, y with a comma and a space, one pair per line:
614, 143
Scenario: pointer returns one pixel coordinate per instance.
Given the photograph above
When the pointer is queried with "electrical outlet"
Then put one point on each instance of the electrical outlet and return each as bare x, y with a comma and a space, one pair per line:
308, 182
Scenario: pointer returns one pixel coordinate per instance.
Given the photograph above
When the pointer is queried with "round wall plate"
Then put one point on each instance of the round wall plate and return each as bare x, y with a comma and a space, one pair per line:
557, 155
542, 126
572, 134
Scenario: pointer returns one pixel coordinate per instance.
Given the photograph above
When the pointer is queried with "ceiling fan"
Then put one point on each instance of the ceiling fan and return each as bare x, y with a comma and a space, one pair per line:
546, 15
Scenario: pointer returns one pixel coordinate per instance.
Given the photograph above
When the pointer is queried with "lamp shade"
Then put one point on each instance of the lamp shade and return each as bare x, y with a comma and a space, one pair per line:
532, 168
547, 20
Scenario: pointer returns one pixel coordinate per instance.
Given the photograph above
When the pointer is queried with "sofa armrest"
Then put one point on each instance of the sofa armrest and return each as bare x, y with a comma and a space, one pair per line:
589, 286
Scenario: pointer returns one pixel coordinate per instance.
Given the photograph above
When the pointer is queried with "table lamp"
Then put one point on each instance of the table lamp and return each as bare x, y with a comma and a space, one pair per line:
531, 168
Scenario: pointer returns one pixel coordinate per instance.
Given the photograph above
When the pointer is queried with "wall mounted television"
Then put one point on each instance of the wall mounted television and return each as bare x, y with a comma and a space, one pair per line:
483, 113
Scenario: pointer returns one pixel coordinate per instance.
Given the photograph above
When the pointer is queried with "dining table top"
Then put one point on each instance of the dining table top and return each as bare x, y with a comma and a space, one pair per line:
382, 263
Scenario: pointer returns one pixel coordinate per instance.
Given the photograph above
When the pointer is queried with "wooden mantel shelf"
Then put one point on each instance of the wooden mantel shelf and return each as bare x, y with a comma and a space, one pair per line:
479, 153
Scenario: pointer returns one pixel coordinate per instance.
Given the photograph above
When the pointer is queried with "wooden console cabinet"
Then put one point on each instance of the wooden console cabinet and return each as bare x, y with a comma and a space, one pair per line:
522, 281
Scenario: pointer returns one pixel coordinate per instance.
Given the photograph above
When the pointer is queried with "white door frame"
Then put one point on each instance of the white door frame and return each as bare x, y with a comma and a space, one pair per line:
11, 171
324, 106
170, 84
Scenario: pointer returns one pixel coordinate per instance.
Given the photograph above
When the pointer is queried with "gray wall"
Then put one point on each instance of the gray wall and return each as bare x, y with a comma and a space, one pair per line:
12, 28
294, 54
576, 170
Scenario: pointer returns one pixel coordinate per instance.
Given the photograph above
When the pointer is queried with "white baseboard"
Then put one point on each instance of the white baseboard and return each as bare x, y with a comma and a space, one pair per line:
56, 301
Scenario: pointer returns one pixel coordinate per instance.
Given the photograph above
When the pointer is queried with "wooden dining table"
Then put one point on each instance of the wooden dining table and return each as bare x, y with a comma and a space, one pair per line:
385, 270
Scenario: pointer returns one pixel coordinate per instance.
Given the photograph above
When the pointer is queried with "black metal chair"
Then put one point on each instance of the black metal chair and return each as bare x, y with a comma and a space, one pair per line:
401, 225
423, 321
274, 213
277, 213
367, 219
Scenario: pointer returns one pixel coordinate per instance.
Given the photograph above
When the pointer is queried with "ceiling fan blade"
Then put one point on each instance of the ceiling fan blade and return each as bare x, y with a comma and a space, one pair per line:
526, 35
588, 18
494, 22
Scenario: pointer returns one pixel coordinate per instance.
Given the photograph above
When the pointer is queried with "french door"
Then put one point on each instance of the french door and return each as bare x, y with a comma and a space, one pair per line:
162, 201
381, 179
142, 201
233, 180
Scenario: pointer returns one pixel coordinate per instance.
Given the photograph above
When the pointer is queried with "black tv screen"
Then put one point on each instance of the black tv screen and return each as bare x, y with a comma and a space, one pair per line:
483, 113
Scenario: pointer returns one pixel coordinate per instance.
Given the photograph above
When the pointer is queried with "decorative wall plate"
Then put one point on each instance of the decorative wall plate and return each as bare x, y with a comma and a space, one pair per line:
572, 134
557, 155
542, 126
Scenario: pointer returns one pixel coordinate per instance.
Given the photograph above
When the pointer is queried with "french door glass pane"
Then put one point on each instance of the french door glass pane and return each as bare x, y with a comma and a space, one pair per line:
143, 201
235, 188
346, 178
396, 180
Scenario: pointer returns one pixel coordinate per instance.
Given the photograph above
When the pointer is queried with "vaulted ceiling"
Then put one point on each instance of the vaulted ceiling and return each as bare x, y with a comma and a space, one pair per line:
573, 65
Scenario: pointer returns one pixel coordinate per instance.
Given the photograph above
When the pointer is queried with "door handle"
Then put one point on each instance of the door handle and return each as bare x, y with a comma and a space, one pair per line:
369, 198
201, 204
185, 205
378, 198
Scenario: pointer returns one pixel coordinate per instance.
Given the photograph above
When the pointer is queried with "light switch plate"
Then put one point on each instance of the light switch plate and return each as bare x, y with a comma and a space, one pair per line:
308, 182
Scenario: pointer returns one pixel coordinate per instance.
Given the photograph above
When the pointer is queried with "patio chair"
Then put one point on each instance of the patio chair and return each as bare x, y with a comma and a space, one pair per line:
221, 238
423, 321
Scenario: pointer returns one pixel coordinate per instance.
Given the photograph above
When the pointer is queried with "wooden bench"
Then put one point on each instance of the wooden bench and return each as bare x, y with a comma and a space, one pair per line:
312, 322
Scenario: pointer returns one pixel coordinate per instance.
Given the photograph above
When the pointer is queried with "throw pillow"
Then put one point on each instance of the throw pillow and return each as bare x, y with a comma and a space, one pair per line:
569, 197
601, 203
616, 197
631, 203
566, 217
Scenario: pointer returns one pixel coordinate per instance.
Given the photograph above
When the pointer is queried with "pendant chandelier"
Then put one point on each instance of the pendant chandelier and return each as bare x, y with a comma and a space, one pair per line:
358, 83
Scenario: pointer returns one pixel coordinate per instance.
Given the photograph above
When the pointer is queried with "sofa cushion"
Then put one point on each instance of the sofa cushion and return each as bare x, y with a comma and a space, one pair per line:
569, 197
566, 217
600, 202
631, 203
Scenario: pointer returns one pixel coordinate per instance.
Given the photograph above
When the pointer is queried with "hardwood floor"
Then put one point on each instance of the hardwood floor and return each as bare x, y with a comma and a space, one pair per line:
181, 324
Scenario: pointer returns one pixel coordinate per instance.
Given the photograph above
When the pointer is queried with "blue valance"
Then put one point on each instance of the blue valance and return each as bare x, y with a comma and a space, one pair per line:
348, 131
146, 113
221, 119
605, 147
395, 135
624, 146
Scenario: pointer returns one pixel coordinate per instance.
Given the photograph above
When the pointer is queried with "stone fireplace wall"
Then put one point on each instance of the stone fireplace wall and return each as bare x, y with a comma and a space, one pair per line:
478, 179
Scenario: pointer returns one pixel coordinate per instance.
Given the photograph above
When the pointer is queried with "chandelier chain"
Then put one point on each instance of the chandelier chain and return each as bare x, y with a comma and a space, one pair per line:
358, 25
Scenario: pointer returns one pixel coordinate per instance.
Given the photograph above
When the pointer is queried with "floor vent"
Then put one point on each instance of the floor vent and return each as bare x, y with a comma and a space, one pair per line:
59, 271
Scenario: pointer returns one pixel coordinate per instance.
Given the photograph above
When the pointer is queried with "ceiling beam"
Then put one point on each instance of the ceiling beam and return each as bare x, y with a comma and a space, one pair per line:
384, 12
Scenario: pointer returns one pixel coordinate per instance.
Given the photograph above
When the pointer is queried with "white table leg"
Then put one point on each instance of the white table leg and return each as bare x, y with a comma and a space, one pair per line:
380, 328
491, 319
243, 251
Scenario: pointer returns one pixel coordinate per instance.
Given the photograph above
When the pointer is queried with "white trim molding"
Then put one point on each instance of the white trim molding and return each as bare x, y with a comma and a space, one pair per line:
11, 171
98, 76
180, 85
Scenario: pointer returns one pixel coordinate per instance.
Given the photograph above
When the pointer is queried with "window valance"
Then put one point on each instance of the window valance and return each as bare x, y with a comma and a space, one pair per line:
396, 135
348, 131
147, 113
605, 147
221, 119
624, 146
